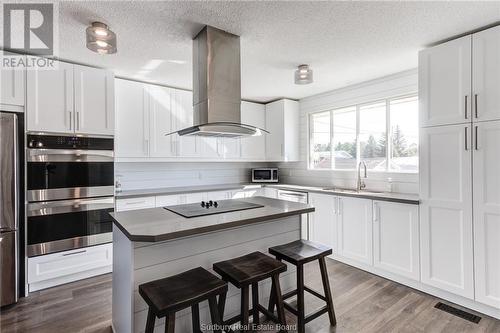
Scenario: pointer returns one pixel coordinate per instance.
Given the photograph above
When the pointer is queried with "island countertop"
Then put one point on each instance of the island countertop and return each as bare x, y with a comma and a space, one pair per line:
159, 224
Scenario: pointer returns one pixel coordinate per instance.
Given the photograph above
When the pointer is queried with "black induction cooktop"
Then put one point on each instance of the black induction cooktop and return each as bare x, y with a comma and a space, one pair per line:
211, 207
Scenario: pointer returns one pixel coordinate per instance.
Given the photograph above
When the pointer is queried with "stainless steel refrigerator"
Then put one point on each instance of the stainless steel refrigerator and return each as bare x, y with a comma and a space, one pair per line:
9, 208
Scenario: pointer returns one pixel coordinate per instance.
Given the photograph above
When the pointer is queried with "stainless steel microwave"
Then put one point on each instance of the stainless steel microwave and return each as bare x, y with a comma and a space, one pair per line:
265, 175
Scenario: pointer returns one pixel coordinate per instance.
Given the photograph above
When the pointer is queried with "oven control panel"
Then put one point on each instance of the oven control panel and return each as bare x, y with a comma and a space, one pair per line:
68, 142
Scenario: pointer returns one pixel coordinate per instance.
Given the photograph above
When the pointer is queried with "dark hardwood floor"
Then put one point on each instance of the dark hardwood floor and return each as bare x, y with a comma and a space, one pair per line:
363, 303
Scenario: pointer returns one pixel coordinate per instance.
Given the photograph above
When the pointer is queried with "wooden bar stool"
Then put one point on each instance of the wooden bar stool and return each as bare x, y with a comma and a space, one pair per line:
167, 296
299, 253
249, 270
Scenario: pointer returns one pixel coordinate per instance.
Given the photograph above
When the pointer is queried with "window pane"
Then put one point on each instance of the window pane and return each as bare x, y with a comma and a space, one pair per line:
344, 138
404, 134
372, 135
320, 141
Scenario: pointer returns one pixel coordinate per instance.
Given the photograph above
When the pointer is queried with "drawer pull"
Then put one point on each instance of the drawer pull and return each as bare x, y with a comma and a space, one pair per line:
73, 253
135, 202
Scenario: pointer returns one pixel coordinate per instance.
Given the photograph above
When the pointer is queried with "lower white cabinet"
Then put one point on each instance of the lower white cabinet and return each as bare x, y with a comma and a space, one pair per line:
323, 221
135, 203
63, 267
486, 205
396, 238
446, 238
355, 229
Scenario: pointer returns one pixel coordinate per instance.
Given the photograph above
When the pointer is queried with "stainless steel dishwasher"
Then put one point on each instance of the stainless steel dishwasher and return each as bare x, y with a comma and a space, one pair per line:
301, 197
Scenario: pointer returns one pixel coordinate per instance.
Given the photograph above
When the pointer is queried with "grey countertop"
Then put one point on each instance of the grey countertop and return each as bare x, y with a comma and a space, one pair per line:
382, 196
183, 189
159, 224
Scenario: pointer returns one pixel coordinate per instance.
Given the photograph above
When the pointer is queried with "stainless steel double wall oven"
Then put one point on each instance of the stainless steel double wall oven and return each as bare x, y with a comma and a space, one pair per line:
70, 192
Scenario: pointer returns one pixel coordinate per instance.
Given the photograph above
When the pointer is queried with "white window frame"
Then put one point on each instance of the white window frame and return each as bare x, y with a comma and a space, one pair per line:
388, 134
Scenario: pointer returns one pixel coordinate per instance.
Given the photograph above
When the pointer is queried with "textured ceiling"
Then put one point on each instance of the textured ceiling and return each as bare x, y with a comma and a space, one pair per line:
343, 42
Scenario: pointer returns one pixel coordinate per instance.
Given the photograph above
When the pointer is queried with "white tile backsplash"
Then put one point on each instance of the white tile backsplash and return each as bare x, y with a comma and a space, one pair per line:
143, 175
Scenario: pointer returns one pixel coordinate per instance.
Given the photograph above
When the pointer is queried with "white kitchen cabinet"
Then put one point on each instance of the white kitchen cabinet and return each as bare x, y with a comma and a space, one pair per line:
188, 146
445, 83
161, 121
94, 101
12, 89
282, 122
49, 102
396, 238
486, 74
253, 147
270, 192
446, 208
67, 266
486, 207
135, 203
229, 148
132, 119
355, 232
323, 221
218, 195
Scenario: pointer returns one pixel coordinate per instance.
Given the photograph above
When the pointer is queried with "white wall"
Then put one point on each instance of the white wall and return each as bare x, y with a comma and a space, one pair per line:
143, 175
394, 85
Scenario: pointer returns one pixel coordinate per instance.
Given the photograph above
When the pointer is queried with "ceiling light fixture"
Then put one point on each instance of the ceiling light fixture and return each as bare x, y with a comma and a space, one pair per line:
100, 39
303, 75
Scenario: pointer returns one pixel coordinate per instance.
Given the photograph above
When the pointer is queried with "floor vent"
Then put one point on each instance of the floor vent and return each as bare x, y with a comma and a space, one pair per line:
457, 312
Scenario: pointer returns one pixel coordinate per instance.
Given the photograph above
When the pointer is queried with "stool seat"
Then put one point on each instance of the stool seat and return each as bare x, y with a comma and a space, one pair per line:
300, 251
181, 291
250, 268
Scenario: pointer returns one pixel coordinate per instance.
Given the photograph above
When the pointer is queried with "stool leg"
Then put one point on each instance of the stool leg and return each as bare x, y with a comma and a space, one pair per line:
279, 300
150, 322
255, 302
244, 304
195, 317
170, 323
272, 301
222, 306
300, 299
328, 293
214, 313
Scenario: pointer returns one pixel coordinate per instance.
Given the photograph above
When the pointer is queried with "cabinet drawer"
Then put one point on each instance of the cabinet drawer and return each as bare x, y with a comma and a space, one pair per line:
67, 263
135, 203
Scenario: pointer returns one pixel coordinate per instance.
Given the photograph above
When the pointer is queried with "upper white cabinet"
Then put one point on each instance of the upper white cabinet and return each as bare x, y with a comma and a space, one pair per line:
50, 99
132, 119
12, 89
161, 120
282, 121
355, 229
445, 83
323, 221
94, 100
182, 113
446, 208
70, 99
486, 74
487, 212
253, 147
396, 238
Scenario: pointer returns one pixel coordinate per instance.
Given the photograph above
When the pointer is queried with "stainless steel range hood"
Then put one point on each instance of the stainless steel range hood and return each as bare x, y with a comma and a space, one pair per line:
217, 87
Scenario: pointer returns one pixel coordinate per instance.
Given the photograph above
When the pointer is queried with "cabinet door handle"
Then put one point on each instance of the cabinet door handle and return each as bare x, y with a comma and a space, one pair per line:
475, 105
73, 253
466, 144
335, 206
475, 138
466, 106
339, 208
77, 120
70, 119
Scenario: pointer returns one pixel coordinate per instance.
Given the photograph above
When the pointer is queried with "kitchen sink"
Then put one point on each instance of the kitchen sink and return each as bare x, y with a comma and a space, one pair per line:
349, 190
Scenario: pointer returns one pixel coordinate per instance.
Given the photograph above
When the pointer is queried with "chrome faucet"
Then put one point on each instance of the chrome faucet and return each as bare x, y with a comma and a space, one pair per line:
361, 184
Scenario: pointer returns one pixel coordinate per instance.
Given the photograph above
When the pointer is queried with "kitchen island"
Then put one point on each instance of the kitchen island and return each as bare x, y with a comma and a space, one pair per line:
154, 243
